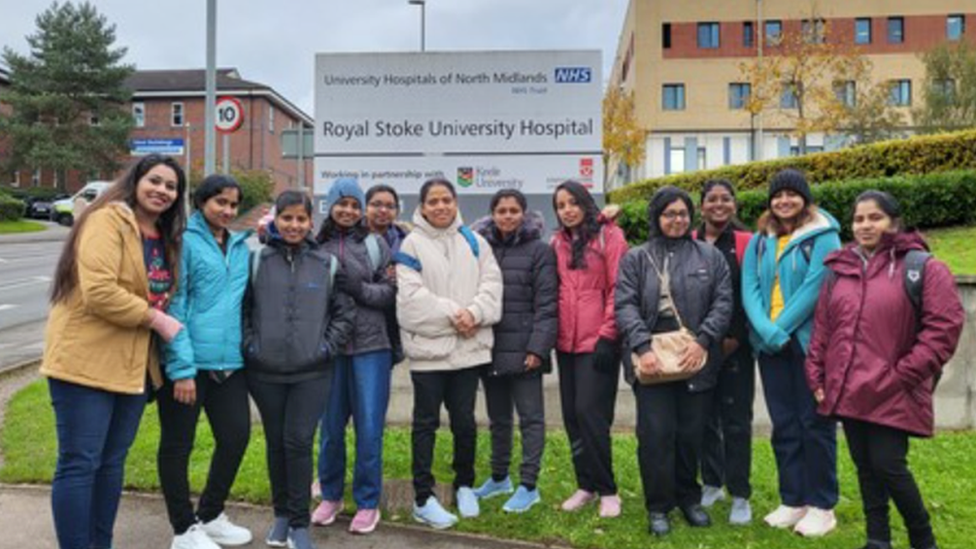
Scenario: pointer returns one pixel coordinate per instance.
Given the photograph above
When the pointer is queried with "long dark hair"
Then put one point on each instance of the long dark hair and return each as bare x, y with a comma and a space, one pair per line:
588, 229
171, 223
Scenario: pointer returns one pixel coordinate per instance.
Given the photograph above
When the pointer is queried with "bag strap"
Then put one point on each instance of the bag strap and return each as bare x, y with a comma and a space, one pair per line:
472, 241
660, 278
373, 251
255, 263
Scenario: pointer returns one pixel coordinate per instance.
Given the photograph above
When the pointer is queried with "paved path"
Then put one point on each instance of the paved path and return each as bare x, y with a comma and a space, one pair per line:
25, 520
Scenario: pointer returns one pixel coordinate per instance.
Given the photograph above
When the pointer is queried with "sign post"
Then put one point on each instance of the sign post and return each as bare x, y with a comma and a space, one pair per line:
229, 117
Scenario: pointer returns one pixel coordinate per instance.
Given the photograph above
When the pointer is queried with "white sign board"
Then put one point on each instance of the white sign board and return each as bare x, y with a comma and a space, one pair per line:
483, 120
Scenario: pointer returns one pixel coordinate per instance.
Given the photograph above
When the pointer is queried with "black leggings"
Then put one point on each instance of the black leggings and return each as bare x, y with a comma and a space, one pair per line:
290, 413
229, 415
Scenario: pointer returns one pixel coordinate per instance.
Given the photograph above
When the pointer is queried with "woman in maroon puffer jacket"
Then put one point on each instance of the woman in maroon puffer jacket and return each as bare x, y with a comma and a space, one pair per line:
874, 359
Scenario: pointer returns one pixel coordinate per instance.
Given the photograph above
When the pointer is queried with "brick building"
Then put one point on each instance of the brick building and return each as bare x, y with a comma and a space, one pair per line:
168, 110
681, 60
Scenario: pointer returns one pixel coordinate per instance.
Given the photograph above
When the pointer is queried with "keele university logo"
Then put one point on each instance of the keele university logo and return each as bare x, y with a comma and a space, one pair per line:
465, 177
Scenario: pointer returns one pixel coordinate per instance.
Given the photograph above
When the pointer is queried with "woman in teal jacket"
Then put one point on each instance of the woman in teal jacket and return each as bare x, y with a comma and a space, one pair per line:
203, 369
781, 276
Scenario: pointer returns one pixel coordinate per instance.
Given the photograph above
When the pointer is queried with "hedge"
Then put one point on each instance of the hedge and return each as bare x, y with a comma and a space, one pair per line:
935, 200
11, 209
31, 192
917, 155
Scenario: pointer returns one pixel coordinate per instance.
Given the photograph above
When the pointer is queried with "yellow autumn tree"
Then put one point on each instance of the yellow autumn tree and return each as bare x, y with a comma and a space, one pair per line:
624, 141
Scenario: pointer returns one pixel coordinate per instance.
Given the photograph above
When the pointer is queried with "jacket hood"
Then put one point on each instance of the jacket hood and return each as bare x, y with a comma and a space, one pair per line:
894, 246
421, 224
531, 229
664, 197
822, 222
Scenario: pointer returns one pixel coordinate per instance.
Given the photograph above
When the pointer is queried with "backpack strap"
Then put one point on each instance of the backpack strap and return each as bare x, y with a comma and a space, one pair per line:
915, 277
373, 250
256, 263
472, 241
333, 267
408, 260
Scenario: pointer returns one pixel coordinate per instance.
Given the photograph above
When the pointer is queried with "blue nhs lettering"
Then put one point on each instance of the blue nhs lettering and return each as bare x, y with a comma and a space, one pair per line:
573, 75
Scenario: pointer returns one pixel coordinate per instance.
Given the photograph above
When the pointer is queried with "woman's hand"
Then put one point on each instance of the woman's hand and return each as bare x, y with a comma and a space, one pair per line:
166, 326
648, 363
692, 357
819, 395
532, 362
185, 391
729, 346
464, 323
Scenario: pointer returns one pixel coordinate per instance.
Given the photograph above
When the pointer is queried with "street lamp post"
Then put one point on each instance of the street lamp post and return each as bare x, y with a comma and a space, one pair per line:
423, 21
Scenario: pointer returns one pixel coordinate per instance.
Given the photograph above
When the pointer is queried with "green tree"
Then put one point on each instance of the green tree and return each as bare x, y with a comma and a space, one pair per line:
67, 95
949, 91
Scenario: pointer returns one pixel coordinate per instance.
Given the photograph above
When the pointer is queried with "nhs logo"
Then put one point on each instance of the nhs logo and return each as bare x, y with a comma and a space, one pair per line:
573, 75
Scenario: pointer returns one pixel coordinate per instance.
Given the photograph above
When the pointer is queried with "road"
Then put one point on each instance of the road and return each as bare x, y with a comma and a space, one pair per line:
26, 270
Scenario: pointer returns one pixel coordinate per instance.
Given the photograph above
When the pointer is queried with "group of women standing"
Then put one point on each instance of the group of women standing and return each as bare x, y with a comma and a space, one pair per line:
310, 328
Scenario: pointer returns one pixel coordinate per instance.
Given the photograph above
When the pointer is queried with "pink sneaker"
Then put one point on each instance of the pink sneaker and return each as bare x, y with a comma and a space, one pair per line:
610, 506
578, 500
365, 521
326, 513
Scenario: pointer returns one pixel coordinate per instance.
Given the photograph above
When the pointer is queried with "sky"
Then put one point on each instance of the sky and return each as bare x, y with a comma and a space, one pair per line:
274, 41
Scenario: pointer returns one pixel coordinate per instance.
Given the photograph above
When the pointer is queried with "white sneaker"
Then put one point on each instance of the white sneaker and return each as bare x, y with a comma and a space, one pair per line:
816, 523
194, 538
224, 532
785, 516
711, 495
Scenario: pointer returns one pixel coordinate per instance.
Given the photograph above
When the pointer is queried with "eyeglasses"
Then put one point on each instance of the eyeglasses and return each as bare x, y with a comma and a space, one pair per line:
382, 205
671, 216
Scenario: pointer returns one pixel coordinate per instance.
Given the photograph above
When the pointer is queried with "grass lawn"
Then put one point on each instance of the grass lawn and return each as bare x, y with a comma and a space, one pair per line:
945, 468
20, 226
956, 247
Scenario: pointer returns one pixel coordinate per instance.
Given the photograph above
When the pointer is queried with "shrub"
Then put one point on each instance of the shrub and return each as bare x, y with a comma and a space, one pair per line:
935, 200
917, 155
46, 193
11, 209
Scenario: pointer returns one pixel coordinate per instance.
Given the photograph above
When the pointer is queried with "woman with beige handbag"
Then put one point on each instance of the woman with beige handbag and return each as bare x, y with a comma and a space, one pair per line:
673, 306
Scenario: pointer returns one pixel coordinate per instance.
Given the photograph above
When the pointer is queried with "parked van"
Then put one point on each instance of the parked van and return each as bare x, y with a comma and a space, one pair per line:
63, 211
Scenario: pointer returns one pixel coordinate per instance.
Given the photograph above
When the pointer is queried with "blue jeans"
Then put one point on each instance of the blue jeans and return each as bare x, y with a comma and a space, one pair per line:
95, 430
361, 388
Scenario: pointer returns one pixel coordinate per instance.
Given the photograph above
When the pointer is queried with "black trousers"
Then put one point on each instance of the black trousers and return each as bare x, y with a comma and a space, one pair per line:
229, 414
588, 399
290, 413
727, 445
524, 393
880, 454
670, 422
456, 389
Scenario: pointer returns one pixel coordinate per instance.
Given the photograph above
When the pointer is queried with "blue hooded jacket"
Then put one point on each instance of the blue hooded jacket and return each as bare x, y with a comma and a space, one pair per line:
799, 281
208, 302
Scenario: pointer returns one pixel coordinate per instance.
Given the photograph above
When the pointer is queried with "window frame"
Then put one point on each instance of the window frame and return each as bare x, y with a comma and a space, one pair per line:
713, 34
139, 120
772, 41
735, 93
845, 91
962, 27
899, 85
680, 99
794, 101
173, 106
666, 36
857, 32
748, 34
899, 37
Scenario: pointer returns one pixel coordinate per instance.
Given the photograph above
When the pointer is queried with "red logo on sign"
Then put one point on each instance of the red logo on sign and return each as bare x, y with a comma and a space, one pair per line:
586, 167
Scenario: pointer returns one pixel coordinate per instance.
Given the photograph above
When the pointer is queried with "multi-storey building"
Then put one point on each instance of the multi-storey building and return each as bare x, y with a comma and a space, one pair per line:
682, 62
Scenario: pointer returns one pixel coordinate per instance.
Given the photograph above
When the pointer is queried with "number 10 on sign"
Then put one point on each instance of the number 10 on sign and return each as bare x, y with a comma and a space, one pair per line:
230, 114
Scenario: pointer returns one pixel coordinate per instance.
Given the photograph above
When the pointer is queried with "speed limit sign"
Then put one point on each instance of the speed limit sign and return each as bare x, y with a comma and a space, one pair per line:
230, 114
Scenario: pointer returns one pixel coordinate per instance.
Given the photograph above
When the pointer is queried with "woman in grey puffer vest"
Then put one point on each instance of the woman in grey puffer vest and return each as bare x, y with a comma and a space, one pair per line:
361, 388
669, 281
523, 343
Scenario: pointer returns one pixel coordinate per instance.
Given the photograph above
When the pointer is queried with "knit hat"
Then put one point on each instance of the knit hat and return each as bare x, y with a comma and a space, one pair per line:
793, 180
342, 188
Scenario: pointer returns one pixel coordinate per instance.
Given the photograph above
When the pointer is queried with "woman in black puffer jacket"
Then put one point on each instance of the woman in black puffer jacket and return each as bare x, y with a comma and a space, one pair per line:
523, 343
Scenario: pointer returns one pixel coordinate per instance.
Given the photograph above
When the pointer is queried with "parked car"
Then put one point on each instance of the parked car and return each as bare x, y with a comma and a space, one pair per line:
62, 211
41, 208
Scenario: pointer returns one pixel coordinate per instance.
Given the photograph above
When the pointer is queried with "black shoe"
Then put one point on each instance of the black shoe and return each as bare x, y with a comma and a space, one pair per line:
696, 516
659, 525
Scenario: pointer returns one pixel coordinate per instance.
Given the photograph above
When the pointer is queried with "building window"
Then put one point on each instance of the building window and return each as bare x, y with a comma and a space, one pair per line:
788, 98
666, 36
773, 32
271, 118
862, 31
677, 160
708, 35
846, 92
739, 95
900, 93
176, 114
139, 114
955, 27
674, 97
896, 30
795, 150
945, 90
748, 34
813, 31
701, 158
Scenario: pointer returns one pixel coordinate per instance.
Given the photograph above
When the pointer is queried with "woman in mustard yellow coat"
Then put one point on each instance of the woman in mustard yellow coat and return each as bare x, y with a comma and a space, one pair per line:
109, 297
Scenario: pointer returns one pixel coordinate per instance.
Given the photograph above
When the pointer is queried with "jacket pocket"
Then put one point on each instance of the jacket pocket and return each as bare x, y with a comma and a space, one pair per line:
428, 348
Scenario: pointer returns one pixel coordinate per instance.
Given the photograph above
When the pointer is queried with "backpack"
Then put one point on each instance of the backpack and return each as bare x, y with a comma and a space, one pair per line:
256, 264
414, 263
742, 239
